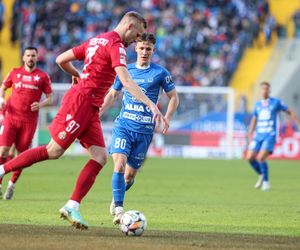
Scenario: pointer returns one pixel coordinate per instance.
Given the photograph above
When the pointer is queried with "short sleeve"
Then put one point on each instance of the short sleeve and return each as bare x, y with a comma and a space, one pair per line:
47, 89
167, 82
118, 55
79, 51
117, 84
8, 80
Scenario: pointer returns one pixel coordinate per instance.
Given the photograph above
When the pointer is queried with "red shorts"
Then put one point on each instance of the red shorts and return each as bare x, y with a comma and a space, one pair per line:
15, 131
77, 118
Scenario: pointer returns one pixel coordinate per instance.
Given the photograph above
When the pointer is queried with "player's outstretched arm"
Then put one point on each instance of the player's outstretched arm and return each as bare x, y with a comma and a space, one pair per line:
109, 100
172, 106
64, 61
135, 91
295, 118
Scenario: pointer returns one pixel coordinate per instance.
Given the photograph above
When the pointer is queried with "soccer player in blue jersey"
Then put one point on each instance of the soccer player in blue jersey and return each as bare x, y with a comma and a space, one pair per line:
263, 123
134, 128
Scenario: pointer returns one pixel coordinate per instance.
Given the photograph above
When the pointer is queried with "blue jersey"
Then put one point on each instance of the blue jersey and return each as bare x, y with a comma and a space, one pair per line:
135, 115
266, 112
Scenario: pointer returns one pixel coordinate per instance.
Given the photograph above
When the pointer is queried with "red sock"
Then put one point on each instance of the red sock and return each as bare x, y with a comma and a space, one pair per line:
15, 175
26, 159
2, 161
86, 180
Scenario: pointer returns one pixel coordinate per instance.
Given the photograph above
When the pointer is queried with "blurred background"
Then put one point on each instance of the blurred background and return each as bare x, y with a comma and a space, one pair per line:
218, 51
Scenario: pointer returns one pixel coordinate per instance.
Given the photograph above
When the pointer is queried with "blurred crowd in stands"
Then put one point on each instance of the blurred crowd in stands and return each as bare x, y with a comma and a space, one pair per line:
199, 42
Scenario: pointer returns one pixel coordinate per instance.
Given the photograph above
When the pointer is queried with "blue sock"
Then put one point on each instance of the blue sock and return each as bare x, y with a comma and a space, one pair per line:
264, 170
118, 188
255, 165
129, 184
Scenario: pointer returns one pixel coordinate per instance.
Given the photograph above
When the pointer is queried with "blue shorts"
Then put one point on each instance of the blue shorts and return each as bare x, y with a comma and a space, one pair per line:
132, 144
267, 143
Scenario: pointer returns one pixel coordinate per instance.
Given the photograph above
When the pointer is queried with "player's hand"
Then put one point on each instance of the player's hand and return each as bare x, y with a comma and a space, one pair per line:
158, 118
75, 80
2, 102
35, 106
158, 129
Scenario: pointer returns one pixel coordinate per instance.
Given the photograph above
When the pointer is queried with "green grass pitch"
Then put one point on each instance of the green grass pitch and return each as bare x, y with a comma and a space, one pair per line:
174, 194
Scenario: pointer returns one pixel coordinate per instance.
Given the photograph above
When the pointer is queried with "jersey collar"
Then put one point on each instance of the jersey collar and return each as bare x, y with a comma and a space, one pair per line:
142, 67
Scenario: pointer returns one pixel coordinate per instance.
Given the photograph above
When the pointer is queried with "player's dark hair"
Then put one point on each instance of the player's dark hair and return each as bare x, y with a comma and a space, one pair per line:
265, 84
136, 15
147, 37
31, 48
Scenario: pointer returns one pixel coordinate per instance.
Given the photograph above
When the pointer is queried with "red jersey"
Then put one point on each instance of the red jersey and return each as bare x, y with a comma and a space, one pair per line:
101, 55
27, 88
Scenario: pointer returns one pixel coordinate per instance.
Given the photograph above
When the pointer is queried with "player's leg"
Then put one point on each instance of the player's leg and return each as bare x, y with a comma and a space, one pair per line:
266, 150
84, 183
118, 184
92, 139
7, 137
262, 158
121, 146
129, 176
3, 158
24, 135
139, 147
253, 148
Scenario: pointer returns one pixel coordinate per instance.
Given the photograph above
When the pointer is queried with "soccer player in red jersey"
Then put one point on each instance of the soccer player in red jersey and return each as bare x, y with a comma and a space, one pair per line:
28, 83
104, 56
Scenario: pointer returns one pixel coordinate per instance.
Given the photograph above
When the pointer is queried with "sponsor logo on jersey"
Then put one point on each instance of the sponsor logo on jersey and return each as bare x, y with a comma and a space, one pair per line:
18, 85
134, 107
137, 118
36, 78
27, 78
25, 86
62, 135
69, 117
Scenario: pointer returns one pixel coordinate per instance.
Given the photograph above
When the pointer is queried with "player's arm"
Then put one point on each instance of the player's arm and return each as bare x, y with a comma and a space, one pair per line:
109, 100
46, 102
64, 61
135, 91
294, 117
172, 106
251, 128
2, 94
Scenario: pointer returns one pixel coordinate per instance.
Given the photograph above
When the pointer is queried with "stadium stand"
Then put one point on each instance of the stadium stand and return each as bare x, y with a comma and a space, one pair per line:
200, 42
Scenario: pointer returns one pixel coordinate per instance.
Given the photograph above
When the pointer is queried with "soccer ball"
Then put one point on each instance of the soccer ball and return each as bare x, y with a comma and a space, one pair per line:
133, 223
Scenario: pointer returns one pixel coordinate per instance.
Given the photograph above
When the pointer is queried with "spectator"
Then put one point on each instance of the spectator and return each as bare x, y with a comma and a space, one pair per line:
2, 11
200, 42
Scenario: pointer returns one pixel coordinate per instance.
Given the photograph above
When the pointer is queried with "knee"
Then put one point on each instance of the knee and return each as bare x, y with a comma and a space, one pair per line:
54, 153
101, 158
119, 166
250, 158
129, 178
260, 159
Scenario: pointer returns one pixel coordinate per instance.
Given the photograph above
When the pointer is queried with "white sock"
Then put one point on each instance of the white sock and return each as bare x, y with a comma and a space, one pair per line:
73, 204
11, 184
2, 172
